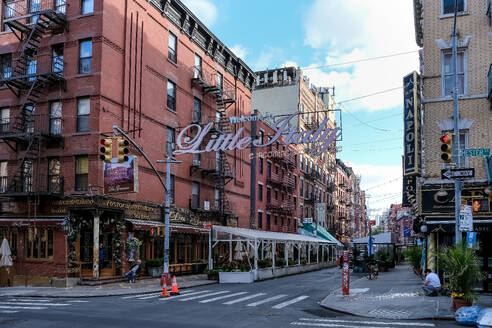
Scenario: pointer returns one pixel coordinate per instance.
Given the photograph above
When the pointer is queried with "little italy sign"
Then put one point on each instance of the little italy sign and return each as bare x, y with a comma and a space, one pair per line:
321, 138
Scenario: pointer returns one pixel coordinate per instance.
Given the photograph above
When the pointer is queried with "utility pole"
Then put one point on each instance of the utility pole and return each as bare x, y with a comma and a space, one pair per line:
456, 139
252, 214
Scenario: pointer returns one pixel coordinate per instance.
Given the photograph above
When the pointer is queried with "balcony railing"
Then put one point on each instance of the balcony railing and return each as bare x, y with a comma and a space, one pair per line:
25, 184
31, 124
195, 202
274, 178
211, 82
30, 9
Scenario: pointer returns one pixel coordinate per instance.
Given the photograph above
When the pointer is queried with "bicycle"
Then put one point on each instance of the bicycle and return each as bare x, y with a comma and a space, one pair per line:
371, 271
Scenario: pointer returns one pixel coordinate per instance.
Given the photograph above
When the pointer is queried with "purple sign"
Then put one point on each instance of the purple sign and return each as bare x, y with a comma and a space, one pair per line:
121, 177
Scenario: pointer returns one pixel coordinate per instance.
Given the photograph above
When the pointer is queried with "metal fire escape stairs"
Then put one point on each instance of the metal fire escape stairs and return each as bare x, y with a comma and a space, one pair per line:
29, 85
223, 173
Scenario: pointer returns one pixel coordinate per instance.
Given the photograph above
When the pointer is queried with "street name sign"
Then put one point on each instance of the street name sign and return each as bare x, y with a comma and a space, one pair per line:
476, 152
457, 173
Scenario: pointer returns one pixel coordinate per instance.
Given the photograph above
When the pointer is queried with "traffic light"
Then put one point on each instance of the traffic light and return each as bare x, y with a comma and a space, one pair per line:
447, 147
123, 150
106, 150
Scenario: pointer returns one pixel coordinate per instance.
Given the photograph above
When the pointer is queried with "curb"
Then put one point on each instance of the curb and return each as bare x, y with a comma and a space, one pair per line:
106, 295
371, 317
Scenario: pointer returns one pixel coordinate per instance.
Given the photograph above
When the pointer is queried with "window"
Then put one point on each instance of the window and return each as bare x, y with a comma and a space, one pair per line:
269, 169
301, 162
260, 164
195, 195
27, 176
29, 118
268, 221
448, 6
6, 66
275, 220
447, 73
85, 57
269, 194
54, 179
197, 72
261, 136
87, 7
171, 48
57, 59
56, 118
302, 188
60, 6
5, 120
39, 243
171, 95
275, 194
260, 192
172, 191
81, 173
295, 203
276, 169
9, 12
11, 235
197, 110
83, 112
295, 181
170, 141
32, 64
3, 176
260, 220
34, 7
220, 80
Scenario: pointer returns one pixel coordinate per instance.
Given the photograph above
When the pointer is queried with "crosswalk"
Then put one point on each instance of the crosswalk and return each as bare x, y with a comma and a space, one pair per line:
357, 323
225, 297
15, 305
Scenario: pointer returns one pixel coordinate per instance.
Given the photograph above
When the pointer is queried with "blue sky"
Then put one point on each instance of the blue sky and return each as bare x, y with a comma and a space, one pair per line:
312, 33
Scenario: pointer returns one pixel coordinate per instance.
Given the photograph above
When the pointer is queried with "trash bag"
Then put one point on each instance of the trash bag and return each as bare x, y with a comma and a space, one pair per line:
484, 318
467, 315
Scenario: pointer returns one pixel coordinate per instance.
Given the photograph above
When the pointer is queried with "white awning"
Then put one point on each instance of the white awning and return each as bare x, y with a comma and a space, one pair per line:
222, 233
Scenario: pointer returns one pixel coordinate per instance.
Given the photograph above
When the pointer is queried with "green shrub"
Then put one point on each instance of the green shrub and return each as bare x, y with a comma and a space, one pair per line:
414, 255
279, 262
303, 262
153, 263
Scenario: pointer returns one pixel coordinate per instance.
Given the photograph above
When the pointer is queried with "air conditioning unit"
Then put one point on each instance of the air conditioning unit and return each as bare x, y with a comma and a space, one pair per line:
206, 205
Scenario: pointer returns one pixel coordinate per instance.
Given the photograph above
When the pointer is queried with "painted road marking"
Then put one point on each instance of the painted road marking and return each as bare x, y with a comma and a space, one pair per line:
243, 299
78, 301
267, 300
360, 323
179, 296
23, 307
28, 300
222, 297
187, 292
292, 301
139, 295
44, 304
8, 311
203, 296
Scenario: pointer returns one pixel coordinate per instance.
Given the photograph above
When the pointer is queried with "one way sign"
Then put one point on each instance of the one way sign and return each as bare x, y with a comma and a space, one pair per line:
457, 173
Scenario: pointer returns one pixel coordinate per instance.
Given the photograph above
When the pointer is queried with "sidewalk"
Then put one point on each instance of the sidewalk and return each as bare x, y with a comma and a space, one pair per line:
143, 286
394, 295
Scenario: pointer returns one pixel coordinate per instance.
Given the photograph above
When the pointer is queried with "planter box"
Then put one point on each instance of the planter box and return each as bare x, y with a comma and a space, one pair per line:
154, 271
236, 277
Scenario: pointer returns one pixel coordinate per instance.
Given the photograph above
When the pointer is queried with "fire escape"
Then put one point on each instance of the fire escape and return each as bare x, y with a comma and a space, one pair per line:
32, 75
219, 171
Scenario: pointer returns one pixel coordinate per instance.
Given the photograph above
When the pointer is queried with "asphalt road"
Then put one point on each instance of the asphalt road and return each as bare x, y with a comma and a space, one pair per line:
284, 302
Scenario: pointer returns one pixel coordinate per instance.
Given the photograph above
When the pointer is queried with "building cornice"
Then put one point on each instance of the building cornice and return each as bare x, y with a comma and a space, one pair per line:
190, 25
418, 15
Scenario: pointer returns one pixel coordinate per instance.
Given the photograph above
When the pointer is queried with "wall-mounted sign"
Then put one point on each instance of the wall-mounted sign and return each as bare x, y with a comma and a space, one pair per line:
409, 190
411, 123
121, 177
466, 218
321, 138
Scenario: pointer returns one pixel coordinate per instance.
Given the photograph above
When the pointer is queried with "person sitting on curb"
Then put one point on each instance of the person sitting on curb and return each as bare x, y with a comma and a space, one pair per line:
432, 284
130, 275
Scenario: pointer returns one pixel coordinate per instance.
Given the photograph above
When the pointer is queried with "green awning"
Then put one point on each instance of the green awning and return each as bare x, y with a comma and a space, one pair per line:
321, 233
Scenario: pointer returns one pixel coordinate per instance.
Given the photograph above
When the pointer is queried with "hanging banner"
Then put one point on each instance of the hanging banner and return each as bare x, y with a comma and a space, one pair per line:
411, 123
471, 239
121, 177
320, 212
409, 190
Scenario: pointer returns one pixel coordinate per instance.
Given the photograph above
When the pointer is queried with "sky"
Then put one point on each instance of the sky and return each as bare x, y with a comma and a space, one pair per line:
314, 33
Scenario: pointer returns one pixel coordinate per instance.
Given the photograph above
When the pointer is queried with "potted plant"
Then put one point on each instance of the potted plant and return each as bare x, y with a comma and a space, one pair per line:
414, 256
460, 264
154, 267
212, 274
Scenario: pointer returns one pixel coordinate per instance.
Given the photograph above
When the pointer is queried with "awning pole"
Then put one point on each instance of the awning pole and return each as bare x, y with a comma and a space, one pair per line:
230, 247
309, 253
299, 247
256, 254
273, 254
286, 254
210, 264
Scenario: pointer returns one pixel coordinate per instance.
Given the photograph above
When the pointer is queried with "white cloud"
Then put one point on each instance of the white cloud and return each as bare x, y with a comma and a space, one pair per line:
289, 63
384, 182
357, 29
266, 58
239, 51
204, 10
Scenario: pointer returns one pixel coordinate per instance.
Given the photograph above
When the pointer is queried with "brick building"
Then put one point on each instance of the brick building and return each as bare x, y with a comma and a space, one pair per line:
71, 71
435, 196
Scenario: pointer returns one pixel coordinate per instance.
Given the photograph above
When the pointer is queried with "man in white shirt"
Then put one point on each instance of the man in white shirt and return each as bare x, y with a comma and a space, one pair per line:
432, 284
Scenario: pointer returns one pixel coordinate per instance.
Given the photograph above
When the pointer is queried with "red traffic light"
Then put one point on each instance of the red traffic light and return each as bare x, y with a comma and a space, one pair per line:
444, 138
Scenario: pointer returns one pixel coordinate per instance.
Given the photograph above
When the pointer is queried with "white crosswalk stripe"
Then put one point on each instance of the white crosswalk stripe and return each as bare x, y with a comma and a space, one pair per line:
35, 304
274, 298
181, 296
28, 300
340, 323
222, 297
149, 296
203, 296
292, 301
23, 307
78, 301
242, 299
138, 295
8, 311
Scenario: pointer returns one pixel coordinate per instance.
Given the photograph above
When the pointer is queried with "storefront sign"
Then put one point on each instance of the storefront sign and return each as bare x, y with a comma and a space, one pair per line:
321, 138
409, 189
411, 123
121, 177
433, 203
251, 118
466, 218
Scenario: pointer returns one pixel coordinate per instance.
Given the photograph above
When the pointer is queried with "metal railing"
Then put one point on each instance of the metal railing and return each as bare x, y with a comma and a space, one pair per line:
211, 80
32, 124
21, 8
24, 184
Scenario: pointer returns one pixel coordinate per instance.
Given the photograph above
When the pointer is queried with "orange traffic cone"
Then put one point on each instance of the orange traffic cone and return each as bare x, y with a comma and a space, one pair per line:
164, 291
174, 287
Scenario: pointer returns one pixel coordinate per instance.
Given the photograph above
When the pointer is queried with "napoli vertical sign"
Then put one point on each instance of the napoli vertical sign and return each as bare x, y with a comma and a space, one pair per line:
411, 124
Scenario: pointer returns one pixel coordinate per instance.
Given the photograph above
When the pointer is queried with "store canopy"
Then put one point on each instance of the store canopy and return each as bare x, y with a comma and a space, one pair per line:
144, 224
321, 232
382, 238
221, 233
